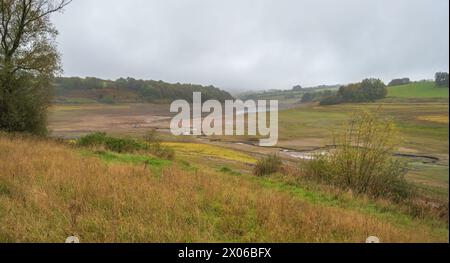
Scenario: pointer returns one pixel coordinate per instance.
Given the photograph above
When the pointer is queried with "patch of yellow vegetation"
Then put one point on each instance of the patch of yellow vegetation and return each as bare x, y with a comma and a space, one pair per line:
211, 151
72, 142
434, 118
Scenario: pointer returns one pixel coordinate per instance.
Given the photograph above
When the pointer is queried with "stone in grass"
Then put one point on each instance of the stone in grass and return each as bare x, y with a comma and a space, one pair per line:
373, 240
72, 239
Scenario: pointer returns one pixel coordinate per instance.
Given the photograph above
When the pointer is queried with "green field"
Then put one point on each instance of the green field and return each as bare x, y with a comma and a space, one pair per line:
424, 90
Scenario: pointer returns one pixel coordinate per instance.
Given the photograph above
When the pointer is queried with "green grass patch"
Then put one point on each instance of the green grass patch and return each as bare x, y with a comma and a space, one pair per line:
4, 189
433, 179
426, 89
133, 159
110, 157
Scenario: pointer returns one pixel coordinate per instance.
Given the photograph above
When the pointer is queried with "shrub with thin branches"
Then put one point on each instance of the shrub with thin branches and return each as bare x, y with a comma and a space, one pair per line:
363, 160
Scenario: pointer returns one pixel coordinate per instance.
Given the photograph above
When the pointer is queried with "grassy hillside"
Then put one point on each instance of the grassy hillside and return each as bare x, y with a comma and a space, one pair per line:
49, 190
426, 90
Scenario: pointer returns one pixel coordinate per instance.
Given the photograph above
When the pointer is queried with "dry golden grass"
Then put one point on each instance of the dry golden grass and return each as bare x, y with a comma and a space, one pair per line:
48, 191
211, 151
434, 118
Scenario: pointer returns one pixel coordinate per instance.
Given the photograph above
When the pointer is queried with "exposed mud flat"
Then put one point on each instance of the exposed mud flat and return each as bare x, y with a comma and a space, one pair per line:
71, 121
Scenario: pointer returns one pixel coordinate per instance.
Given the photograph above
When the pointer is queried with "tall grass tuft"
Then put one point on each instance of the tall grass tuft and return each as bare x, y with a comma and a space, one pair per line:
363, 159
268, 165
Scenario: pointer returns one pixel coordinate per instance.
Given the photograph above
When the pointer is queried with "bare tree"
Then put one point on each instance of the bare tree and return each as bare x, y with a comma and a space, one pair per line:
28, 62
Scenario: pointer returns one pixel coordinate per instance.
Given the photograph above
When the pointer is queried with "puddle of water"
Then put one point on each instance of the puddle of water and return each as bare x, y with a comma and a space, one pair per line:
242, 112
310, 155
305, 155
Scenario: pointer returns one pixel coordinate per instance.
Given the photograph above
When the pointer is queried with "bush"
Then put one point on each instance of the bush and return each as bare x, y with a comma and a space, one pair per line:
441, 79
162, 151
372, 90
119, 145
152, 136
126, 145
363, 160
92, 140
122, 145
106, 99
398, 82
156, 147
23, 105
307, 97
368, 90
317, 96
332, 100
268, 165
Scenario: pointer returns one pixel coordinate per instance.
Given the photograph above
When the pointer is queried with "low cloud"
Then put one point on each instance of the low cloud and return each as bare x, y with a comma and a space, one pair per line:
255, 44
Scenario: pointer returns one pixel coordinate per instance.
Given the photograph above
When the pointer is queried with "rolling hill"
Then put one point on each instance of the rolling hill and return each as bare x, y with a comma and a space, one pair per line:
418, 90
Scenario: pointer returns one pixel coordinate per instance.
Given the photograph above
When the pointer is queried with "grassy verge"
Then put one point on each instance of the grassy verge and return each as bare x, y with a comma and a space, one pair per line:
50, 191
326, 196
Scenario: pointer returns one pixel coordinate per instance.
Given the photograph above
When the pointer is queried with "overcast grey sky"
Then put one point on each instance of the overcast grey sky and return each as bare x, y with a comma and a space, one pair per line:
255, 44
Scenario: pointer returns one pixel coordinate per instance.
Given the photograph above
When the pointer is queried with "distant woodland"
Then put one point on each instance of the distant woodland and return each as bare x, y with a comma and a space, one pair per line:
75, 90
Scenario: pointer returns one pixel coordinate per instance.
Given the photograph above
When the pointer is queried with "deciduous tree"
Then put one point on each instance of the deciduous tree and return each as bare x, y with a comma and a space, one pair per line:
441, 79
28, 62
